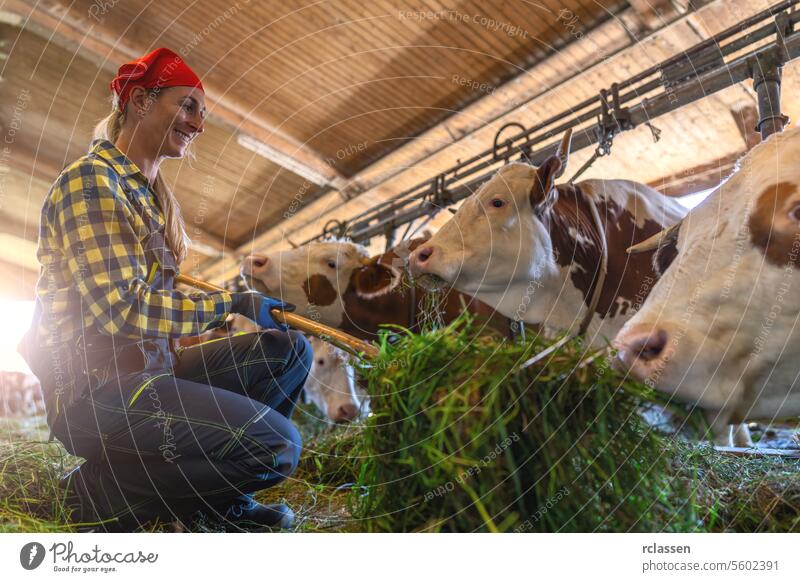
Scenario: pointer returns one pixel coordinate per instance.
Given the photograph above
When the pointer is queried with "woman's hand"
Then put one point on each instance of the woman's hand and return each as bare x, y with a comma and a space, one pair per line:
256, 307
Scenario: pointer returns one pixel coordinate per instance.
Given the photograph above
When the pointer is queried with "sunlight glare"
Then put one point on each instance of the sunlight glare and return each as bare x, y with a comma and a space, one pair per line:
16, 320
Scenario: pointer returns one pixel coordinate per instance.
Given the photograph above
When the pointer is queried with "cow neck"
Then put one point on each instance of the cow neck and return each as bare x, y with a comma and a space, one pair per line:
586, 247
594, 227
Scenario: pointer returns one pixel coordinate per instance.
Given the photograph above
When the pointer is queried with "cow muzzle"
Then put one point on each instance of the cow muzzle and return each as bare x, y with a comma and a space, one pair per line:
346, 412
643, 351
420, 259
420, 265
253, 270
254, 264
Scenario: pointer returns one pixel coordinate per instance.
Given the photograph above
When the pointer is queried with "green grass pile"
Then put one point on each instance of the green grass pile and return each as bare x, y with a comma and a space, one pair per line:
741, 494
463, 440
30, 469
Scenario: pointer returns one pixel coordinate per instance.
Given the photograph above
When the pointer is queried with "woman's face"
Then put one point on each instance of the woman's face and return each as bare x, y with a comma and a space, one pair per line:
172, 118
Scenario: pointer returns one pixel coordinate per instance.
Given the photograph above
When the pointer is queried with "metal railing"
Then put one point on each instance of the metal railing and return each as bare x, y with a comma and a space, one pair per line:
674, 83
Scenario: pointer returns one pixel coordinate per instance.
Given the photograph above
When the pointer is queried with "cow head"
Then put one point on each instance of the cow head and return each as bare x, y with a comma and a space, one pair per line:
719, 328
316, 276
497, 237
331, 384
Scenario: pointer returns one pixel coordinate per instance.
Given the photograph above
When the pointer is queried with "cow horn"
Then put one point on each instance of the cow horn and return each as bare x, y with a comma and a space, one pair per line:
292, 244
659, 239
563, 151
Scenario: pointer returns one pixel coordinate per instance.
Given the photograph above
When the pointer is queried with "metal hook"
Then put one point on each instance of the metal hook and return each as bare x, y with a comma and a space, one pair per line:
495, 155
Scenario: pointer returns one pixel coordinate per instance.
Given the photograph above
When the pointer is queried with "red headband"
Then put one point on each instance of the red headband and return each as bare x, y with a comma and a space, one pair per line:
156, 70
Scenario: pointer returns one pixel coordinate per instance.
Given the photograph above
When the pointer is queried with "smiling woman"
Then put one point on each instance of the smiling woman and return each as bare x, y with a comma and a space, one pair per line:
110, 245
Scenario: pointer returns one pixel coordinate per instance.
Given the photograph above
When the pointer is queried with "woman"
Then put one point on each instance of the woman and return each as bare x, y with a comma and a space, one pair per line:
165, 435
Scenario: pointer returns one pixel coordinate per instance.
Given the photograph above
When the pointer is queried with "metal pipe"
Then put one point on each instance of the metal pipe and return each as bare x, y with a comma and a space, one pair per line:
767, 85
735, 72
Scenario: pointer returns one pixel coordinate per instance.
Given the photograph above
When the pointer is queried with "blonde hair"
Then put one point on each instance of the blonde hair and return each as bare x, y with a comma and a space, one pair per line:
175, 232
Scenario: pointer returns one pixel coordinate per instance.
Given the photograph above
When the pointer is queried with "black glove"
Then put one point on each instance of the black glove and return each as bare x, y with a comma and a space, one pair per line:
256, 307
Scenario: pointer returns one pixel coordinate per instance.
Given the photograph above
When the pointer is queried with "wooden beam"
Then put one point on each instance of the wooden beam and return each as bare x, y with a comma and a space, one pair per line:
698, 178
652, 13
76, 32
711, 174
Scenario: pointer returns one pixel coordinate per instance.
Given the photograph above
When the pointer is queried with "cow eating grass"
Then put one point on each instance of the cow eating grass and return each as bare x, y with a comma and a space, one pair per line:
331, 384
534, 250
337, 283
720, 328
556, 255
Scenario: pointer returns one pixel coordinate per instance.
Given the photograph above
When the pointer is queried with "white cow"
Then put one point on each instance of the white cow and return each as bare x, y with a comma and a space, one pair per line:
533, 249
720, 328
331, 384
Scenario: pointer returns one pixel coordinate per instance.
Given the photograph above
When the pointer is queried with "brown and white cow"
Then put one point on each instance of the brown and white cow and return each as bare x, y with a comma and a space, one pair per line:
721, 328
338, 284
532, 249
331, 384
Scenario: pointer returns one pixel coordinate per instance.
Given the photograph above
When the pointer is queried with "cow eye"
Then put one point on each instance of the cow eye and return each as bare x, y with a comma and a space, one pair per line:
320, 362
332, 264
794, 213
498, 203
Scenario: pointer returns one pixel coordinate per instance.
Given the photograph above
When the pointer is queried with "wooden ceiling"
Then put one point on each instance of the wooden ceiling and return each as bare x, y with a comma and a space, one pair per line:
351, 79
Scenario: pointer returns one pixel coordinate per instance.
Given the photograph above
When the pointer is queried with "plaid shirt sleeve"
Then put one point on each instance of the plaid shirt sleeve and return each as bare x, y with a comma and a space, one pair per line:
98, 233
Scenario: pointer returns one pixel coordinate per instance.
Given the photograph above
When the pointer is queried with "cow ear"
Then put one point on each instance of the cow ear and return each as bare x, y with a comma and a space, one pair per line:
543, 191
375, 279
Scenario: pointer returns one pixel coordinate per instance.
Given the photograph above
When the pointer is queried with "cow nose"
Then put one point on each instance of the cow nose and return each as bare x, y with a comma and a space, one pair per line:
255, 263
418, 259
645, 347
424, 254
346, 412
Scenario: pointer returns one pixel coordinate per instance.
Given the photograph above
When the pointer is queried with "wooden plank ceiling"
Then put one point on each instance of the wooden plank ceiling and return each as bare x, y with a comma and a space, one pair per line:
351, 79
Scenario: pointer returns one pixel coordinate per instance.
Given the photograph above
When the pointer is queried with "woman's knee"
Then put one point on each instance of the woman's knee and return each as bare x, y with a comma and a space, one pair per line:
302, 348
277, 442
289, 456
291, 346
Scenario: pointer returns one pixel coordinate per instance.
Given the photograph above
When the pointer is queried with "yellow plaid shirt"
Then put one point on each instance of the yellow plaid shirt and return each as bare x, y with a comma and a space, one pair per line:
94, 268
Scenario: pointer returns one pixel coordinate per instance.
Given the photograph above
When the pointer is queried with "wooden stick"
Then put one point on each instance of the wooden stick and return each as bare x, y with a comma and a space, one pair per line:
338, 338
